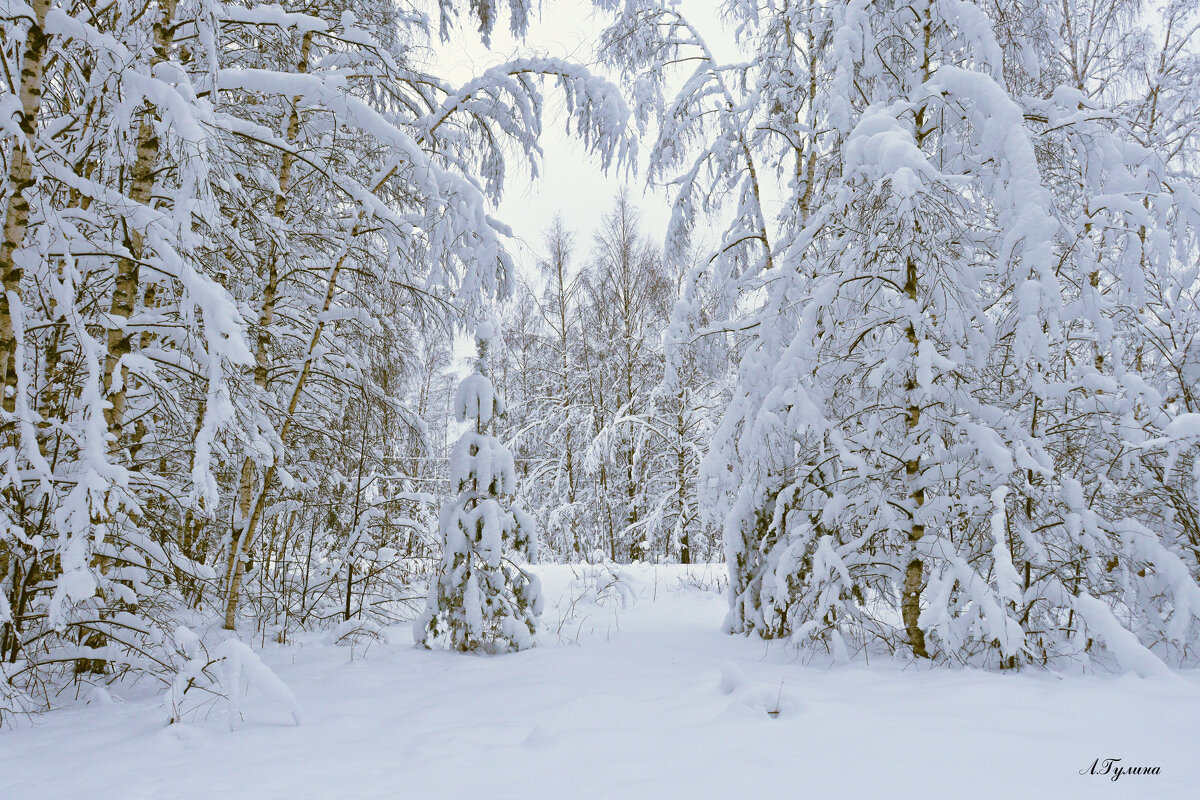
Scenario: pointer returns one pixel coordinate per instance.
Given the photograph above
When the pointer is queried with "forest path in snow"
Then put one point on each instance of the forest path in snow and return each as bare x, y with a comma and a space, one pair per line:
645, 700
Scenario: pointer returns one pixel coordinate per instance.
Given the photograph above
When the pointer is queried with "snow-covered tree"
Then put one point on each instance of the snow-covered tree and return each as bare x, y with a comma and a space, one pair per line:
482, 598
928, 447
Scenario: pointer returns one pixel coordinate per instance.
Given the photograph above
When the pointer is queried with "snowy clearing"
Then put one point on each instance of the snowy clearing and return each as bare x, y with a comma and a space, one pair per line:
645, 700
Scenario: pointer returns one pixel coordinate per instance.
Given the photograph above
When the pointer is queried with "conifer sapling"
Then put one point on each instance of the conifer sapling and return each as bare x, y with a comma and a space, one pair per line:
481, 599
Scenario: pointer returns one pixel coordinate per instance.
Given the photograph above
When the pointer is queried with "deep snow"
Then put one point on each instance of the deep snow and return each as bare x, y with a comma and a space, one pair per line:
649, 700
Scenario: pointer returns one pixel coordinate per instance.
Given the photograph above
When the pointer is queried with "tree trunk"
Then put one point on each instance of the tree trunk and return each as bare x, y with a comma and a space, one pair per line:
681, 478
20, 179
914, 575
125, 288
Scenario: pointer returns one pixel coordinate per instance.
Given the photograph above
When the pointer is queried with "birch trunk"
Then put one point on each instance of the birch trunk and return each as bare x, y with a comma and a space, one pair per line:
126, 286
20, 178
914, 573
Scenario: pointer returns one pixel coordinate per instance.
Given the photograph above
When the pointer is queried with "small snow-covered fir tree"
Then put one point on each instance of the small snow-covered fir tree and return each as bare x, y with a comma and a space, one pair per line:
480, 598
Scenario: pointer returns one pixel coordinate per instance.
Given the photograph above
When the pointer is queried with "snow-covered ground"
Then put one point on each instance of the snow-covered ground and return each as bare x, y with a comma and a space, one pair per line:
642, 700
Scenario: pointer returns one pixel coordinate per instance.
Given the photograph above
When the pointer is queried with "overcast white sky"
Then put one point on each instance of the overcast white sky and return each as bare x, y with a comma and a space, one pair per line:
570, 181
